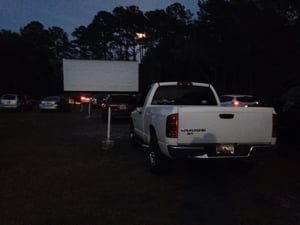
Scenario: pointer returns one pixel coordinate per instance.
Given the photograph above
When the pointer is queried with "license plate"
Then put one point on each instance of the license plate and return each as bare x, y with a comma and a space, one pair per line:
225, 149
123, 107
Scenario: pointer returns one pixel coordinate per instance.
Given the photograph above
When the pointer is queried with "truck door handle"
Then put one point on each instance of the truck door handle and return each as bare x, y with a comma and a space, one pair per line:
226, 116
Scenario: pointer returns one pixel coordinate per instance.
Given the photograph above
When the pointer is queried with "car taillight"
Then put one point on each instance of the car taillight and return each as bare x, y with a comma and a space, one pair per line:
172, 126
85, 99
257, 103
274, 125
236, 103
103, 105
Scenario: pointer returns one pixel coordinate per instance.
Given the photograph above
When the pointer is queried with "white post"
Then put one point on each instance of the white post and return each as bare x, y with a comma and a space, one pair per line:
106, 144
89, 110
108, 123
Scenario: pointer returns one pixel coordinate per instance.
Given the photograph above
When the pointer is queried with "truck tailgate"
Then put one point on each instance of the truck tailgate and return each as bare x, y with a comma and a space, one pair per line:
224, 125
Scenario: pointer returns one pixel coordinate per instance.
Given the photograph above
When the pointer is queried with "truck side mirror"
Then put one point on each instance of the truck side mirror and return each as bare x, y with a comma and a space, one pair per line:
139, 100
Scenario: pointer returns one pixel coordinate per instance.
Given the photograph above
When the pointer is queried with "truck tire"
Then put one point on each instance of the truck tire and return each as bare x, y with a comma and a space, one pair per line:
157, 161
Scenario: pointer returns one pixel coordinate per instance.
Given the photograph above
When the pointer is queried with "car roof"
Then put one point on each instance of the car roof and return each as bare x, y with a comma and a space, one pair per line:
16, 95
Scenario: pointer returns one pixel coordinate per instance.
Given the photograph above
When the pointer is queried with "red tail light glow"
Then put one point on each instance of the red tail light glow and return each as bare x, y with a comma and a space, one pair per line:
172, 126
236, 103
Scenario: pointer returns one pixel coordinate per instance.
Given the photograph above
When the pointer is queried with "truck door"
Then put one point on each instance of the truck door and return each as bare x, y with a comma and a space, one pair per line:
138, 116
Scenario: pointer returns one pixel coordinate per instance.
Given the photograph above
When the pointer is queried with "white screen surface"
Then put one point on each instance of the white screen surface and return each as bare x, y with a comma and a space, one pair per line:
100, 75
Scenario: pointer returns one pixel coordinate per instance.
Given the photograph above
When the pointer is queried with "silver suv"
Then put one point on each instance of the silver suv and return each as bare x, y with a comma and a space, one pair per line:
13, 101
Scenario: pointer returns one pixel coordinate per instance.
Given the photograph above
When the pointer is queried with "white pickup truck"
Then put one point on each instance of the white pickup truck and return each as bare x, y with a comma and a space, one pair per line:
185, 120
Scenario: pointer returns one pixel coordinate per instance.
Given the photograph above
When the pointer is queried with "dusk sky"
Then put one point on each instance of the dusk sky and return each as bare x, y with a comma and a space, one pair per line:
69, 14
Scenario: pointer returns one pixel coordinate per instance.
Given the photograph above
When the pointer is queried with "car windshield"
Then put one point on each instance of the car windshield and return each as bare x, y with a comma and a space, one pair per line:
9, 97
181, 95
51, 98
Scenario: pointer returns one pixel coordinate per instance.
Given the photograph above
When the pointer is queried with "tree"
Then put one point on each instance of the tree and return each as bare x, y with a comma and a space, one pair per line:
130, 21
59, 43
251, 39
81, 44
171, 31
39, 74
100, 35
60, 48
12, 52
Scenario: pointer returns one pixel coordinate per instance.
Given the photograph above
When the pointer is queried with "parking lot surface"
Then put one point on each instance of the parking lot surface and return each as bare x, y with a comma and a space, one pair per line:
53, 170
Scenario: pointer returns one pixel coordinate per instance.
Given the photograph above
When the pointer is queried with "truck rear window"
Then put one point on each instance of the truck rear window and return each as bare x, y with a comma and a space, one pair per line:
182, 95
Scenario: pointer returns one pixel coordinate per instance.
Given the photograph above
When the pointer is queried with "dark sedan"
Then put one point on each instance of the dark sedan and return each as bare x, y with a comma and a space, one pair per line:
121, 105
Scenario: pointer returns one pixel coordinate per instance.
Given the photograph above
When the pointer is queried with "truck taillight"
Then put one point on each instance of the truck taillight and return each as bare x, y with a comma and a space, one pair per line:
172, 126
274, 125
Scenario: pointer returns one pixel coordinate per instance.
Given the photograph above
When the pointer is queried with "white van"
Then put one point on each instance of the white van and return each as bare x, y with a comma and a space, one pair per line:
13, 101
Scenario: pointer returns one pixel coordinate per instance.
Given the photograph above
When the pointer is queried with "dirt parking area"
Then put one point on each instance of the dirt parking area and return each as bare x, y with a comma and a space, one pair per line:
53, 171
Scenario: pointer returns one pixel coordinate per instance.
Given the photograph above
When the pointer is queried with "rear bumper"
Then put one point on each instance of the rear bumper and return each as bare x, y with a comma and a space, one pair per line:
9, 106
209, 151
48, 107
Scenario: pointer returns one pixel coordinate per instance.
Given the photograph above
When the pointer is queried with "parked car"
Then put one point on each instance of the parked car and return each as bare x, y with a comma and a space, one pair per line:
57, 103
87, 99
239, 100
15, 102
121, 105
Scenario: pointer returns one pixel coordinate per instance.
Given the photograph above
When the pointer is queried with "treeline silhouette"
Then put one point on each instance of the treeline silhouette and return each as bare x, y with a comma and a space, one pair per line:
241, 46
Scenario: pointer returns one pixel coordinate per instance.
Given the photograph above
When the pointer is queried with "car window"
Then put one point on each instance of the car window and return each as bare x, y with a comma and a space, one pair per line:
226, 98
246, 99
9, 97
177, 95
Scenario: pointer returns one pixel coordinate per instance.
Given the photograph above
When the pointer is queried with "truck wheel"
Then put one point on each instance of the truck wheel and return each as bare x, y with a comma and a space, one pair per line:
157, 161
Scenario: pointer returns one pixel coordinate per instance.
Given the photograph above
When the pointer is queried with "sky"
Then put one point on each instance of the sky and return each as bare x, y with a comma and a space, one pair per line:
69, 14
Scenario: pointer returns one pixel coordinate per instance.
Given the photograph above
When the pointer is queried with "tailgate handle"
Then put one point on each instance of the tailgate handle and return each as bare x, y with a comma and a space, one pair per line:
226, 116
